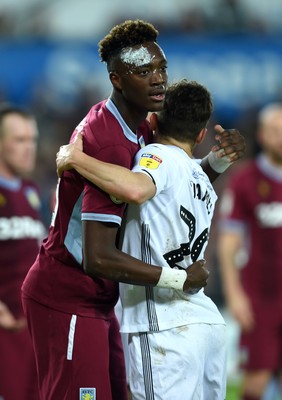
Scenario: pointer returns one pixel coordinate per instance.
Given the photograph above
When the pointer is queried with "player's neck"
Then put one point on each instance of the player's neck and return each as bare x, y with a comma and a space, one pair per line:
185, 146
7, 173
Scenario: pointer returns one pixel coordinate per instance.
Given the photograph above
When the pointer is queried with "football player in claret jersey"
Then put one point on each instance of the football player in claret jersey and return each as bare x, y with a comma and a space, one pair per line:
21, 231
70, 291
177, 338
251, 220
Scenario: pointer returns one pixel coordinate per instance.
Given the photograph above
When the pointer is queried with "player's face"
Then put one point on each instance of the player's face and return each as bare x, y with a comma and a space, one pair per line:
18, 145
270, 137
143, 76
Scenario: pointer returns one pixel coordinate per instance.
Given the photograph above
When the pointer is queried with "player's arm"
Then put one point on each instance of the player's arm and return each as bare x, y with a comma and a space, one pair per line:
229, 244
102, 259
231, 147
130, 187
138, 187
8, 321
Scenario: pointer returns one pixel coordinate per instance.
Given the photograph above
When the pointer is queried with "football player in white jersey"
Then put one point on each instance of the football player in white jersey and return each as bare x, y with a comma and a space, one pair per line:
177, 343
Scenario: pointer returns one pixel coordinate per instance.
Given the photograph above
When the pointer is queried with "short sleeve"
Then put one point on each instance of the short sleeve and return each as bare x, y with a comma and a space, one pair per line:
154, 161
98, 205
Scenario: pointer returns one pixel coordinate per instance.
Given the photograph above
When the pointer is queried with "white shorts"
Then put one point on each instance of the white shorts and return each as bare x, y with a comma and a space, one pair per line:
184, 363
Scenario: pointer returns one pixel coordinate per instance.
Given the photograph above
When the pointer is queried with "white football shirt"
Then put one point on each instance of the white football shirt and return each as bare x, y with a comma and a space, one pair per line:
170, 230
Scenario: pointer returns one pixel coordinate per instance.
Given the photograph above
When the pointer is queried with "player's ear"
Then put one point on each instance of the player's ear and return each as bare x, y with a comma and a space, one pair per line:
154, 121
115, 79
201, 136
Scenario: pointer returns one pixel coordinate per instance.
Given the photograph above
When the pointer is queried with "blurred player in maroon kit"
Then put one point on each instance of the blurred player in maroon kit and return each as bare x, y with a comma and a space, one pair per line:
21, 230
251, 219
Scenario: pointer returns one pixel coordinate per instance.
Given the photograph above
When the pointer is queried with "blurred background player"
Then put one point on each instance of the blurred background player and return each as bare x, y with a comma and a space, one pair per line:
251, 220
20, 231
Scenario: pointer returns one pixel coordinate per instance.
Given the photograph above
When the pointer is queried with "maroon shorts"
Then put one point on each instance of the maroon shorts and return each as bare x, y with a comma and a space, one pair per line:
17, 366
77, 357
262, 348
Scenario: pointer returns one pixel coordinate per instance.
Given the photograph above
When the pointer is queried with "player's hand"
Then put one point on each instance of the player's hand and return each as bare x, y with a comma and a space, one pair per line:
241, 309
197, 275
8, 321
66, 154
231, 144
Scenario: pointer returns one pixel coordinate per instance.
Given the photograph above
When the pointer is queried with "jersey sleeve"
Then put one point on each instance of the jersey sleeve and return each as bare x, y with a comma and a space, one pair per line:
233, 206
153, 161
98, 205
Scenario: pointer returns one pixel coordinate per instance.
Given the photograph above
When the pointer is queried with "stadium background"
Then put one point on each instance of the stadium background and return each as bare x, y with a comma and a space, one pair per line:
49, 63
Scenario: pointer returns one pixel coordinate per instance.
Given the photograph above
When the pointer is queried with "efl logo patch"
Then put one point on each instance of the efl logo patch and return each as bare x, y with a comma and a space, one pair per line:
87, 394
150, 161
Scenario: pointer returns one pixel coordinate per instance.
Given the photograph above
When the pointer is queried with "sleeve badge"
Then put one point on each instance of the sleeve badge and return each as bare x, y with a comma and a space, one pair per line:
150, 161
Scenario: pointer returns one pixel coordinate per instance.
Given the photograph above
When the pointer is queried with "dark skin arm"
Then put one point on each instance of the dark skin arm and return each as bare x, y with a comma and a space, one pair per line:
102, 259
132, 187
212, 174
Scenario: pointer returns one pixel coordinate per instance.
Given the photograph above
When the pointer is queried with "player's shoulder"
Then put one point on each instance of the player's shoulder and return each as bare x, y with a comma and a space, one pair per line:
155, 150
243, 169
29, 183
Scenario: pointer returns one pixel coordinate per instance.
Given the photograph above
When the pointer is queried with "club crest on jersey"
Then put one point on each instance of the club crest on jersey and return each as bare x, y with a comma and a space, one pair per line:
115, 200
87, 394
32, 198
150, 161
3, 200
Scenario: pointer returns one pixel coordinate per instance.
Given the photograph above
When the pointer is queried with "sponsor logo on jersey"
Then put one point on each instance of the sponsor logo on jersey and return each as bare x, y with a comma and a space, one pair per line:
115, 200
269, 214
21, 228
87, 394
32, 198
150, 161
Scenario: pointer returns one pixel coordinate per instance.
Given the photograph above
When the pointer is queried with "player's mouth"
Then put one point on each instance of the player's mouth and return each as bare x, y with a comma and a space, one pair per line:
157, 95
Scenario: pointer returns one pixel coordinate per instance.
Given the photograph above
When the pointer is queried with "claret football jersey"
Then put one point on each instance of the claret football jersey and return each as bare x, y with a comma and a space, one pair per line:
57, 278
252, 205
21, 231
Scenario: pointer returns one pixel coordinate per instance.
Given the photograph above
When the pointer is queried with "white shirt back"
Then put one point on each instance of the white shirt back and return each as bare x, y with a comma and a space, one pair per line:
169, 230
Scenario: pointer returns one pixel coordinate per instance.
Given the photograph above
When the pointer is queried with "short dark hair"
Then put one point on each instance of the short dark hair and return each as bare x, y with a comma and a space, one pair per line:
8, 108
187, 108
127, 34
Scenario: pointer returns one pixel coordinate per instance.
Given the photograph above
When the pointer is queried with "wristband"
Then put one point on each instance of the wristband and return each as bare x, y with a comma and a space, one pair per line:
218, 164
172, 278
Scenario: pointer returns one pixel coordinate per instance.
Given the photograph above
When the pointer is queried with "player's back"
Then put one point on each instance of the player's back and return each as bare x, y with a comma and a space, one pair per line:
171, 230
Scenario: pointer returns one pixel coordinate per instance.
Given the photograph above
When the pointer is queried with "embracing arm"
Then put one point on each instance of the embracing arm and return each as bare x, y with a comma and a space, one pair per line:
137, 187
103, 259
118, 181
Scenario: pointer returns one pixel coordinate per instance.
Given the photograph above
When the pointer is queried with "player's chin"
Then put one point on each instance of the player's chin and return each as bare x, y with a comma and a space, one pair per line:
156, 105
